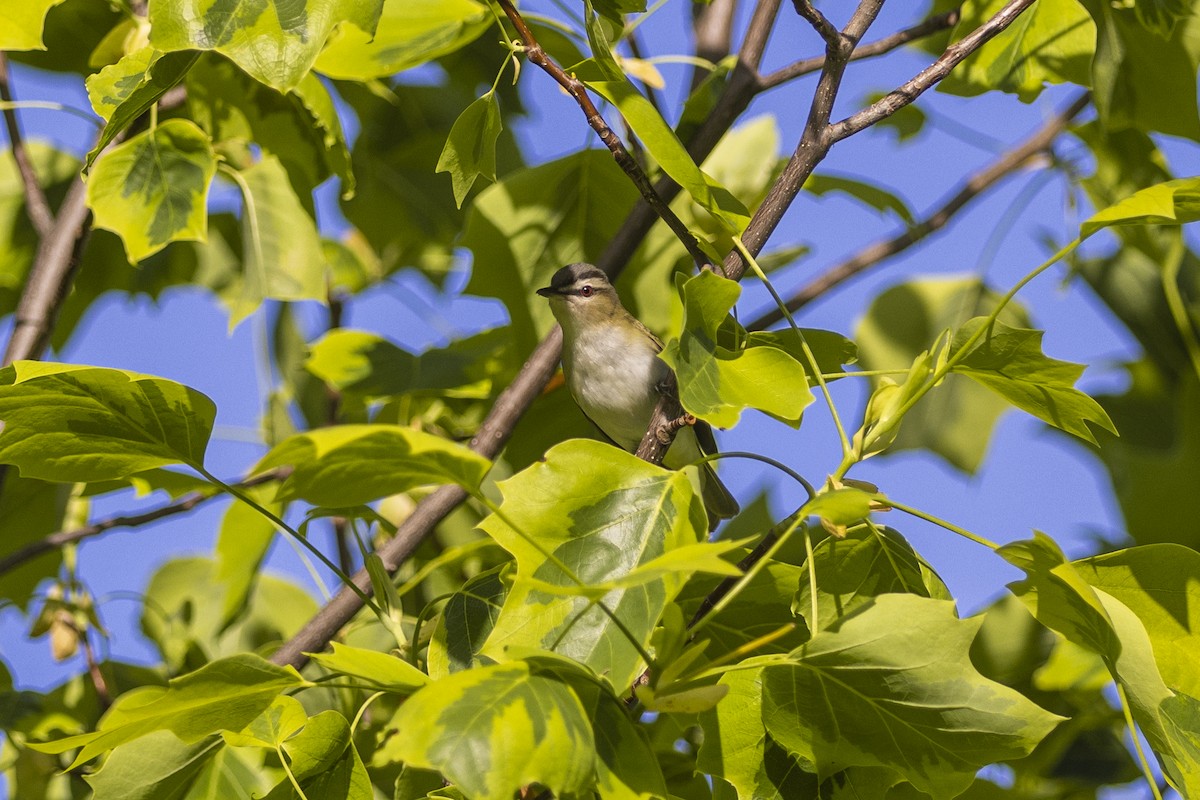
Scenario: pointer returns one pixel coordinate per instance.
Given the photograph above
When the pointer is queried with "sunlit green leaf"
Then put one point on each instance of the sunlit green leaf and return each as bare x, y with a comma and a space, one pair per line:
1172, 203
354, 464
600, 513
243, 540
717, 381
379, 668
409, 33
475, 727
325, 762
1052, 42
893, 686
153, 189
1010, 362
67, 422
281, 250
471, 149
467, 620
275, 44
272, 727
155, 766
21, 24
223, 695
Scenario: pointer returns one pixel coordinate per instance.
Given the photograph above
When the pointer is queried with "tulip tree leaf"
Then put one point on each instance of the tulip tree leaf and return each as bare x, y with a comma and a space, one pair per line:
325, 762
467, 620
153, 189
379, 668
346, 465
276, 43
1174, 202
869, 194
1010, 362
717, 381
21, 24
66, 422
408, 34
496, 729
893, 686
221, 695
602, 513
156, 765
281, 249
272, 727
1053, 42
470, 150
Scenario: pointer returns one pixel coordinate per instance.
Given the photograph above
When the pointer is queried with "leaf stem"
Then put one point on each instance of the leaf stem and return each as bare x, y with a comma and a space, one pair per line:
1137, 743
950, 526
779, 465
1179, 313
810, 561
46, 105
284, 763
808, 353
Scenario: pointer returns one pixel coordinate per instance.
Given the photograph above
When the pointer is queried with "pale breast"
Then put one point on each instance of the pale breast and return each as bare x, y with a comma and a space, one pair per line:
612, 375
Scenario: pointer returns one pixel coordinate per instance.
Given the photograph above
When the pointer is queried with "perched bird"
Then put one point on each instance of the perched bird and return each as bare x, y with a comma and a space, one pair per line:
613, 372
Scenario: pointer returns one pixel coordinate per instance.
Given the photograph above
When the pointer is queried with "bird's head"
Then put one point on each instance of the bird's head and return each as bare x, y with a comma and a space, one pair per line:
580, 294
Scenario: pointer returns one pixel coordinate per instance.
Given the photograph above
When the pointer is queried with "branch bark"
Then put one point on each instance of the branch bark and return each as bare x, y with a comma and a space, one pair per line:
872, 255
36, 205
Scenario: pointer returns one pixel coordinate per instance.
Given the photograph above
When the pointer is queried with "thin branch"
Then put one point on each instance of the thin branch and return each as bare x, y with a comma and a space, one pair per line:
712, 26
1012, 160
185, 503
821, 24
576, 89
931, 75
806, 66
36, 205
515, 400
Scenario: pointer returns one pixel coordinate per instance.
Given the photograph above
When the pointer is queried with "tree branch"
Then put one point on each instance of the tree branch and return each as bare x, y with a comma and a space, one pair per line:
712, 26
575, 88
515, 400
806, 66
179, 506
981, 181
820, 23
36, 205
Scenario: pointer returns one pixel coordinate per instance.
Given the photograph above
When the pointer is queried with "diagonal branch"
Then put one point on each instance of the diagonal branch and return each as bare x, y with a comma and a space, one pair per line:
575, 88
36, 205
515, 400
185, 503
872, 255
821, 24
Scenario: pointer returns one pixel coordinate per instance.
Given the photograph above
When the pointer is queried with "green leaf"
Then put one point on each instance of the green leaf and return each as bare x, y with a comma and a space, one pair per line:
738, 748
893, 686
717, 381
529, 224
471, 149
956, 420
1181, 719
603, 513
1172, 203
347, 465
1160, 16
1052, 42
409, 33
272, 727
223, 695
154, 767
281, 250
869, 194
300, 128
21, 24
496, 729
277, 45
153, 189
325, 762
844, 506
851, 572
467, 620
243, 540
383, 669
67, 422
1139, 78
29, 511
122, 92
367, 365
1010, 362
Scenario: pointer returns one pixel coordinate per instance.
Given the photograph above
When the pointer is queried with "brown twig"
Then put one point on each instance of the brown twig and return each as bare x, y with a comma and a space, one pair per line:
981, 181
820, 23
75, 535
36, 205
576, 89
806, 66
712, 26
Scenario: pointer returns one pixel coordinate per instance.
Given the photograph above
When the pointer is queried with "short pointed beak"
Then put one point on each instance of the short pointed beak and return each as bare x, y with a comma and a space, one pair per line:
548, 291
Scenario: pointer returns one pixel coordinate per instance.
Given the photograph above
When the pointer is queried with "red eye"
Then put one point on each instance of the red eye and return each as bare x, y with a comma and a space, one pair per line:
586, 291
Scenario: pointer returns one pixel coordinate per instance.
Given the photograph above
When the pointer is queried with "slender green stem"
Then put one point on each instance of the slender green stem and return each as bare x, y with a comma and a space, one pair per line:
1137, 742
749, 575
426, 612
362, 709
808, 353
283, 526
444, 559
45, 105
284, 762
950, 526
153, 118
866, 373
1179, 312
810, 561
250, 215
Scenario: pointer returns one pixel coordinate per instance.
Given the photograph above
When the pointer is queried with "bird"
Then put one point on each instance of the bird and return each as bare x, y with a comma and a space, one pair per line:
610, 361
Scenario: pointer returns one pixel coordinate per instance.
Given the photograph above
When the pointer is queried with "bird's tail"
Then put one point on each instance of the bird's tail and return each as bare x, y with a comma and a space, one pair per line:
719, 503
